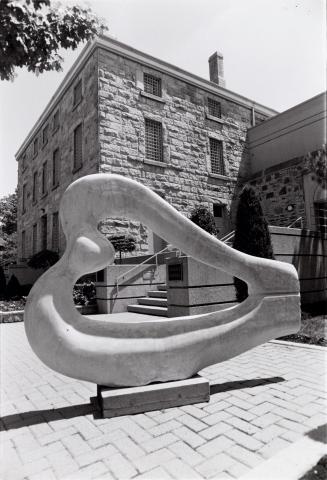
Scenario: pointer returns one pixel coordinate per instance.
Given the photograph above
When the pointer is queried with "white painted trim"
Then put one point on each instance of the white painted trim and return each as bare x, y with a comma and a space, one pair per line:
126, 51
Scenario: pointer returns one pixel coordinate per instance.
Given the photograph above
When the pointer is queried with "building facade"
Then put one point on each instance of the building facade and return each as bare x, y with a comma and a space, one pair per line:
121, 111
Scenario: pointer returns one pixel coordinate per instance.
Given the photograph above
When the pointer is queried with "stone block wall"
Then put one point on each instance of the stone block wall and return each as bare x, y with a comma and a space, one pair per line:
63, 138
183, 178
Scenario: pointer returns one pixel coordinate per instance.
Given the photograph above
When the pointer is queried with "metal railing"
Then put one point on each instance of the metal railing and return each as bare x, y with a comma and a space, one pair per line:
226, 238
120, 278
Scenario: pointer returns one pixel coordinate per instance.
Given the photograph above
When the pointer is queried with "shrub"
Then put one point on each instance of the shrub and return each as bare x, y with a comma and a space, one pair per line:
202, 217
84, 293
43, 259
13, 289
2, 283
251, 234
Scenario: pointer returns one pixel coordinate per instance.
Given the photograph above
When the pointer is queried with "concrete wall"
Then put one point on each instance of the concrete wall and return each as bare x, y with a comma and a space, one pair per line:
135, 285
63, 138
290, 134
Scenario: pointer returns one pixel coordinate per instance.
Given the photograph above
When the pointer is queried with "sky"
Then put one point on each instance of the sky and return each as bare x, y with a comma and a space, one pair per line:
274, 53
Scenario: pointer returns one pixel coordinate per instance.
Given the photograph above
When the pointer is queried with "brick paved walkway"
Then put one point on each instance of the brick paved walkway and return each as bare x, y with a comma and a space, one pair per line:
261, 402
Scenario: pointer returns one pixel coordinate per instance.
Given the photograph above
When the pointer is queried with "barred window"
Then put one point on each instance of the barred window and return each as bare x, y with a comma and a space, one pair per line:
152, 85
23, 244
78, 150
44, 178
45, 134
214, 108
34, 239
56, 120
44, 232
153, 140
216, 157
55, 232
36, 146
34, 194
24, 198
78, 92
55, 168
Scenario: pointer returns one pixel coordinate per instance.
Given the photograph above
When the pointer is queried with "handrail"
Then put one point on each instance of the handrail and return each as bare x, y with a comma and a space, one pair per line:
139, 264
227, 237
295, 221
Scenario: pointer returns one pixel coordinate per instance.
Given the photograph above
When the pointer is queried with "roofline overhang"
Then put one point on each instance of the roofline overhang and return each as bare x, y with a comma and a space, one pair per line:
114, 46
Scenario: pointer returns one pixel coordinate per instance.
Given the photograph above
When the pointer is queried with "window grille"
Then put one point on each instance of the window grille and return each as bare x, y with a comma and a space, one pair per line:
44, 178
78, 151
216, 157
214, 108
45, 134
44, 232
55, 167
34, 195
153, 140
78, 92
24, 198
35, 146
23, 244
34, 239
55, 232
152, 85
56, 120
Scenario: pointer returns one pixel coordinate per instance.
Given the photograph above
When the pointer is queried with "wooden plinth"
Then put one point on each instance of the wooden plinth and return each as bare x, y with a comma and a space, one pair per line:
115, 402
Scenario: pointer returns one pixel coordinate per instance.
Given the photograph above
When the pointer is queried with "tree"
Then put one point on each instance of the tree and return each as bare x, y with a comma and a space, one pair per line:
13, 290
123, 243
251, 233
8, 228
32, 32
2, 282
202, 217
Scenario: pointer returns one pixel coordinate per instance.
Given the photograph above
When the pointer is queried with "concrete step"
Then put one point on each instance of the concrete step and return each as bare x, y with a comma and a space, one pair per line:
156, 302
148, 310
157, 293
162, 287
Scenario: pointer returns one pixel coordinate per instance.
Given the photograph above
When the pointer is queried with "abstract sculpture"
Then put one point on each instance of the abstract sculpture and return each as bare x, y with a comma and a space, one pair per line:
131, 354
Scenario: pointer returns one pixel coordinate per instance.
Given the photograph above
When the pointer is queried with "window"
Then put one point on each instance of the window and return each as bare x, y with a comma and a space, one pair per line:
23, 159
44, 178
152, 84
78, 92
55, 232
216, 157
23, 244
153, 140
24, 198
35, 146
217, 210
214, 108
78, 151
56, 120
34, 239
320, 209
44, 232
55, 168
45, 134
34, 195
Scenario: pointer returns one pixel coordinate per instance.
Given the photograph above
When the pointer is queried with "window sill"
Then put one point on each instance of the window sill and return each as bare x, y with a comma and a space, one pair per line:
35, 154
155, 163
214, 119
77, 169
55, 186
218, 176
152, 97
34, 202
55, 130
44, 144
44, 195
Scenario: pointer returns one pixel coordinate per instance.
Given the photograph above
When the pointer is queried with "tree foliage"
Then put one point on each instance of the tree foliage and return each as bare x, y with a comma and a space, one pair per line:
202, 217
251, 233
8, 228
33, 31
123, 243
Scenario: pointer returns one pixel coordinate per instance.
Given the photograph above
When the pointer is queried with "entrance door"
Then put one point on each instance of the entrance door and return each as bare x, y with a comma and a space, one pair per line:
221, 220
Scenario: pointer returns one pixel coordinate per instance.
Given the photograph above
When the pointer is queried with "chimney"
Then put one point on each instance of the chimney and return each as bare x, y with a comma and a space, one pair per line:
216, 69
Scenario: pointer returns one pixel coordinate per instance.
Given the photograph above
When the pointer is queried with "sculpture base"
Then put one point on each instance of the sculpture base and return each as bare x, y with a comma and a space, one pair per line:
115, 402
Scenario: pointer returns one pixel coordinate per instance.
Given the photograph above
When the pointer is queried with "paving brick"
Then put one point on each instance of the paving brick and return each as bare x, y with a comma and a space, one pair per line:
106, 438
119, 466
220, 444
243, 439
242, 425
47, 474
128, 447
262, 409
273, 447
164, 428
155, 459
191, 438
215, 465
157, 473
265, 420
244, 456
159, 442
191, 422
186, 453
240, 413
215, 430
180, 470
216, 407
194, 411
216, 417
95, 455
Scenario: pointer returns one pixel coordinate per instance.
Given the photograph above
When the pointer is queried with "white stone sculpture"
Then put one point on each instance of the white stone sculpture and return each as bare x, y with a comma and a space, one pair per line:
126, 353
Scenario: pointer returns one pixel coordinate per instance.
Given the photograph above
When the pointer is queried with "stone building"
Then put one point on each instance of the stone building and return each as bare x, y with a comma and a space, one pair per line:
122, 111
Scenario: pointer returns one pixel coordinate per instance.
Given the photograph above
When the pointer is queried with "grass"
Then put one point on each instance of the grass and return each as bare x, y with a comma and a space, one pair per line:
313, 329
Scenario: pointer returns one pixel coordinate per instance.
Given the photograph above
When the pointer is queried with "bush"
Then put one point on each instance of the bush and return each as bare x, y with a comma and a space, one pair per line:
2, 283
202, 217
251, 234
13, 289
84, 293
43, 259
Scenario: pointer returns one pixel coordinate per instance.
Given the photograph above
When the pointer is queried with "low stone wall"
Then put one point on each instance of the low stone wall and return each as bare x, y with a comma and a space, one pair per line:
135, 285
18, 316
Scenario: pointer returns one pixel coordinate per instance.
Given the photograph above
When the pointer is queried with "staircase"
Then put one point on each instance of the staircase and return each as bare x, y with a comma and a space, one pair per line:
154, 304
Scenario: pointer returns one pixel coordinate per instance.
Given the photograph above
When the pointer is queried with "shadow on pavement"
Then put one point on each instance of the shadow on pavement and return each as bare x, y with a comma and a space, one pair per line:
240, 384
